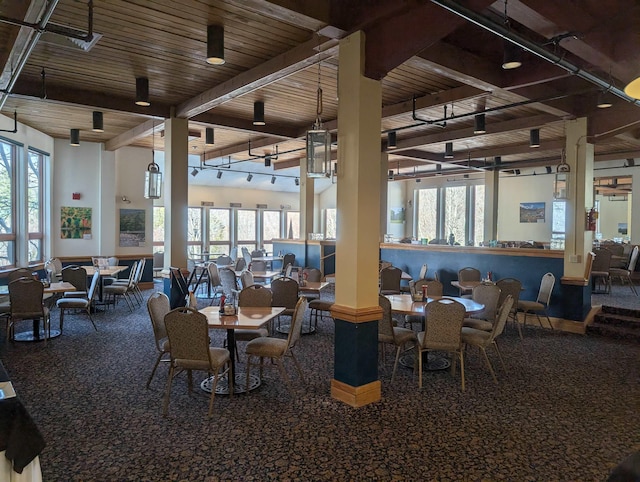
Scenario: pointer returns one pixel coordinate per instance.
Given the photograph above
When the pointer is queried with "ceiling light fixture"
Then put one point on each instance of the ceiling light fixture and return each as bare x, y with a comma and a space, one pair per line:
74, 137
267, 160
98, 121
297, 181
604, 100
534, 138
258, 113
497, 160
563, 176
390, 175
448, 150
318, 138
632, 89
215, 44
511, 57
392, 141
548, 169
142, 91
249, 177
219, 175
517, 171
153, 176
273, 179
194, 173
479, 124
208, 136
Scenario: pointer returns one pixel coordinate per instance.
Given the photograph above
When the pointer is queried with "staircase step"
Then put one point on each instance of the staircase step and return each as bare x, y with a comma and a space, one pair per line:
619, 320
628, 312
614, 331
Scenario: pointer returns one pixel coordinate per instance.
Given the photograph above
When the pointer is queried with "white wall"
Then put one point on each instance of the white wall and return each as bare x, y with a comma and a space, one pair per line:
397, 198
221, 197
611, 214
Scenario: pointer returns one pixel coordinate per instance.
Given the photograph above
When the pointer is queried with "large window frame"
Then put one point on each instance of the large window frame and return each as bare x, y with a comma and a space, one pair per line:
8, 239
35, 182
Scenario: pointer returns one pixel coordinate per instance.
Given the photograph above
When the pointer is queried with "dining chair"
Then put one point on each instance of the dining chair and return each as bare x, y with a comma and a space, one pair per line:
423, 271
77, 276
122, 290
511, 287
541, 304
253, 296
20, 273
240, 265
312, 275
277, 349
258, 265
483, 339
25, 296
434, 288
246, 255
158, 263
443, 333
246, 279
487, 294
188, 334
215, 285
53, 268
224, 260
285, 294
289, 259
388, 334
229, 284
468, 274
257, 253
600, 270
390, 278
158, 306
625, 273
83, 301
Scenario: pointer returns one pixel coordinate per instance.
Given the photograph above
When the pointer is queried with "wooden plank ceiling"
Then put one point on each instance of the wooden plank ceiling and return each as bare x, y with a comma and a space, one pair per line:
278, 51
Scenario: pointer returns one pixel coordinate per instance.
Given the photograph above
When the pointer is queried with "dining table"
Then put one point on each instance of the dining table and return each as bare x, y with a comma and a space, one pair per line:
403, 304
246, 318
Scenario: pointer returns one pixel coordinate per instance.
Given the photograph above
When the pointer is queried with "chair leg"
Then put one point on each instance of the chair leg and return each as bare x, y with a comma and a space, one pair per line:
283, 373
155, 366
395, 364
61, 319
91, 318
462, 368
419, 363
167, 394
213, 390
298, 368
248, 373
488, 362
500, 356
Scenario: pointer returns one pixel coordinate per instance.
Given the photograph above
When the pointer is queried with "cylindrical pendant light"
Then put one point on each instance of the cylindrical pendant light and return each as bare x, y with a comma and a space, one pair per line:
215, 45
392, 140
511, 56
98, 122
534, 138
479, 124
142, 91
258, 113
208, 136
74, 137
448, 150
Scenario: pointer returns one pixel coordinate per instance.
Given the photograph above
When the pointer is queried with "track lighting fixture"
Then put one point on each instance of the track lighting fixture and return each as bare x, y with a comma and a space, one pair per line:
74, 137
273, 179
219, 175
215, 44
98, 122
297, 181
249, 177
142, 91
548, 169
534, 138
479, 124
194, 173
517, 171
267, 160
390, 175
208, 136
418, 180
448, 150
392, 140
258, 113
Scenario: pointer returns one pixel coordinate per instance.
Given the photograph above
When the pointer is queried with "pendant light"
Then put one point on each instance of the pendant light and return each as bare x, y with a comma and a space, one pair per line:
215, 45
318, 138
74, 137
448, 150
563, 176
258, 113
98, 121
479, 128
142, 91
153, 176
534, 138
511, 54
208, 136
392, 140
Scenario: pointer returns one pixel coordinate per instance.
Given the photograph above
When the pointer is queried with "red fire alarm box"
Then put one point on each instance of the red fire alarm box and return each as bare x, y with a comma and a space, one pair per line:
76, 196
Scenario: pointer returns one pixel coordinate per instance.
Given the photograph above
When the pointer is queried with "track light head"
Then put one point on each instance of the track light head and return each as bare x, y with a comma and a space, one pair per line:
98, 121
74, 137
267, 160
194, 173
249, 177
273, 179
297, 181
219, 175
392, 140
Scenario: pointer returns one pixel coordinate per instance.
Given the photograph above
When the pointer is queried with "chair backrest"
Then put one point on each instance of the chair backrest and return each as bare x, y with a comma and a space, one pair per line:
224, 260
258, 265
25, 296
288, 269
616, 249
256, 253
214, 276
228, 281
434, 287
501, 317
385, 326
469, 274
602, 261
113, 261
77, 276
312, 274
158, 260
296, 322
246, 279
489, 296
588, 266
139, 271
390, 278
53, 267
255, 295
423, 272
234, 253
19, 273
240, 264
509, 286
246, 255
633, 259
285, 292
94, 285
444, 324
546, 287
188, 334
288, 258
177, 279
158, 306
133, 272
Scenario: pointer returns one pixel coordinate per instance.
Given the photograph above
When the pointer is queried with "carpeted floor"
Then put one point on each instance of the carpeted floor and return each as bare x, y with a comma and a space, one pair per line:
569, 409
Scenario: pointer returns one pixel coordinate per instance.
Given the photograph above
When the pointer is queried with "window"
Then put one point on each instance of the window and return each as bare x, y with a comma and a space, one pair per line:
35, 182
194, 230
158, 229
219, 231
455, 207
478, 214
293, 224
330, 223
7, 211
271, 228
427, 213
246, 228
558, 229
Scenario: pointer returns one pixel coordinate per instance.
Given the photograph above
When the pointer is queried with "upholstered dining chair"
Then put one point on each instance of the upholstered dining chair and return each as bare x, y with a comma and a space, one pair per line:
246, 279
83, 301
388, 334
624, 274
513, 287
188, 334
483, 339
229, 283
285, 293
20, 273
434, 288
253, 296
25, 296
277, 348
258, 265
240, 265
541, 304
487, 294
600, 269
158, 306
122, 290
53, 267
224, 260
77, 276
215, 285
443, 333
468, 274
390, 278
288, 259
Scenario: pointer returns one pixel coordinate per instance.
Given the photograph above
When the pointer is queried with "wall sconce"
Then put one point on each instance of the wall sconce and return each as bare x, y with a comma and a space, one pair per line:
479, 124
534, 138
258, 113
76, 196
74, 137
215, 44
98, 122
142, 91
208, 136
125, 200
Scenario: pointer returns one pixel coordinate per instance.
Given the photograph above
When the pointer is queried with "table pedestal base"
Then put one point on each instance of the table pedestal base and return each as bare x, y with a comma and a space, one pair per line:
430, 362
39, 336
222, 388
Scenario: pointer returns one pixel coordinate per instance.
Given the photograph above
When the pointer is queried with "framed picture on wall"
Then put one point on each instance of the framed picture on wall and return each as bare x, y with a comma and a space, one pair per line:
532, 212
132, 224
75, 223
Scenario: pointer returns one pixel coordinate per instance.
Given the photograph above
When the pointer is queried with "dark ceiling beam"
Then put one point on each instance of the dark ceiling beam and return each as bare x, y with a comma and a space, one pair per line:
308, 15
281, 132
616, 120
238, 148
434, 100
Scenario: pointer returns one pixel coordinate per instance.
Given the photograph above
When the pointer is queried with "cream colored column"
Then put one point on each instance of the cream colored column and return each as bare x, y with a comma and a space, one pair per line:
176, 135
579, 155
307, 192
384, 193
356, 308
491, 188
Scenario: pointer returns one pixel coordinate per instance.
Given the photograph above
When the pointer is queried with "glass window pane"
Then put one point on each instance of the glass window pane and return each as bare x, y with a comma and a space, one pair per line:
158, 229
194, 224
293, 224
35, 250
7, 152
455, 203
478, 216
34, 192
219, 224
428, 213
270, 225
6, 253
330, 223
246, 228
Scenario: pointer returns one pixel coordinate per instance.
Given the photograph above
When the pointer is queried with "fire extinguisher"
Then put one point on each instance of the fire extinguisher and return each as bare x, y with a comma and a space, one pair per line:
592, 217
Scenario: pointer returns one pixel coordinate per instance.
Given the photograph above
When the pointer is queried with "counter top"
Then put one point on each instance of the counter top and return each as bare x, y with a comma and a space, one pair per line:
532, 252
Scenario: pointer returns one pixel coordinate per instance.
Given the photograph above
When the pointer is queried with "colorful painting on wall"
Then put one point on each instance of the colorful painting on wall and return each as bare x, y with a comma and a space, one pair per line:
75, 223
532, 212
132, 227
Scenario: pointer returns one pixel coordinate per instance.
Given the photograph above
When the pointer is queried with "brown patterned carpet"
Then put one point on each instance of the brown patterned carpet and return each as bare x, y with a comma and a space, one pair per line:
569, 409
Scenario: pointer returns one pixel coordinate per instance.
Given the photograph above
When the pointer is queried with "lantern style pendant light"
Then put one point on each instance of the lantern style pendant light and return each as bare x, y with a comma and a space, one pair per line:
153, 176
561, 182
318, 140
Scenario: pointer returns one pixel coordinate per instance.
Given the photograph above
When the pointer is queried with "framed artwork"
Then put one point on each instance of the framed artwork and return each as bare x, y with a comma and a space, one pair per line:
532, 212
396, 215
75, 223
132, 227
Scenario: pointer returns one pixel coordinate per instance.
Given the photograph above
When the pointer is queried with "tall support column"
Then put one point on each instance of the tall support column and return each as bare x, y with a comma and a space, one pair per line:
356, 309
176, 191
307, 193
491, 185
576, 290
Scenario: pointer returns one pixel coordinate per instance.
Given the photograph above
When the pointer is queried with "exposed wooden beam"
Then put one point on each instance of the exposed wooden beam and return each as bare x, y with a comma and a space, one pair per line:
434, 100
237, 148
616, 120
132, 135
241, 125
309, 15
290, 62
